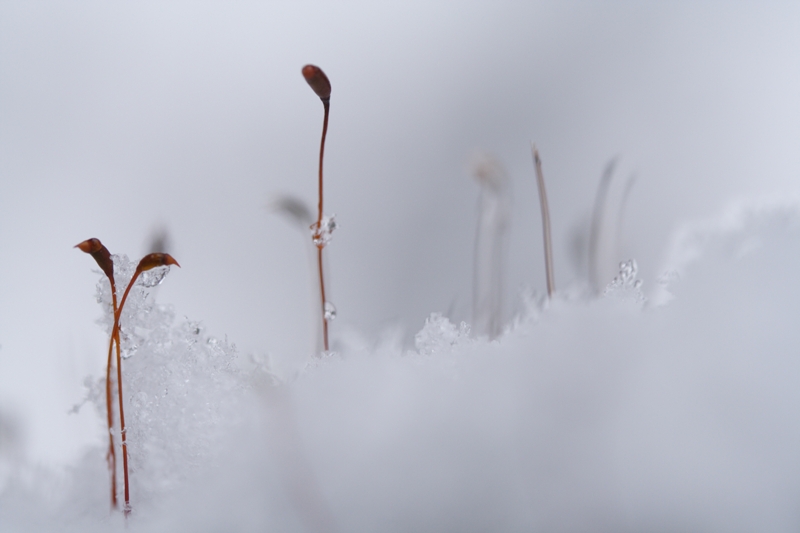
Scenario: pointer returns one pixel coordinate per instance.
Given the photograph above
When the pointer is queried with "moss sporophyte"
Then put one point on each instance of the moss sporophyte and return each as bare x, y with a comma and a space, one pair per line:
103, 257
323, 226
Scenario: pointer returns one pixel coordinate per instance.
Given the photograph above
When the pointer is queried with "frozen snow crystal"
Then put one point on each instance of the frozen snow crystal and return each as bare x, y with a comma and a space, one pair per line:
330, 311
153, 277
128, 348
440, 335
625, 285
322, 235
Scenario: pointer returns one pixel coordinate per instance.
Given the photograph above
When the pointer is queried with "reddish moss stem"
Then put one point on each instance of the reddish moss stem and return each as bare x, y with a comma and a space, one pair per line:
148, 262
116, 337
103, 258
111, 457
321, 245
327, 105
321, 86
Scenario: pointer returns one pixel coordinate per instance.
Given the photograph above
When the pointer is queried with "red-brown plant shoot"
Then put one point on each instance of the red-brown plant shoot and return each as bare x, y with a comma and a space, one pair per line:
148, 262
322, 87
101, 254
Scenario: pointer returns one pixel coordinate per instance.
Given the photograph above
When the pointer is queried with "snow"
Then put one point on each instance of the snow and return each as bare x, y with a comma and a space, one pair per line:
586, 414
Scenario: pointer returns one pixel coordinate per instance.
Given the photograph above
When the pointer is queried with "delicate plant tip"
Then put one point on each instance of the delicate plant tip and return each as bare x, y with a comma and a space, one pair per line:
100, 254
151, 261
90, 245
318, 81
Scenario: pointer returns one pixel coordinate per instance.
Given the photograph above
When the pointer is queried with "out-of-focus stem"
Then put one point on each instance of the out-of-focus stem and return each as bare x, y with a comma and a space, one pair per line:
548, 245
621, 214
493, 207
598, 216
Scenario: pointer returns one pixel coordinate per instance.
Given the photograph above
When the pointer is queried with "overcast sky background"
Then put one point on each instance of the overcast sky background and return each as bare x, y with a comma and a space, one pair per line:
120, 119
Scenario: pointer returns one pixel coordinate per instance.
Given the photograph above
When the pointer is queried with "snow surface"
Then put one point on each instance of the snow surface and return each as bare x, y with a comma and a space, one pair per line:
619, 413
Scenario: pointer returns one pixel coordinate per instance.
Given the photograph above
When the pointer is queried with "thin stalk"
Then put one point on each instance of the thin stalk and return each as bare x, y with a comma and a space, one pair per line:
326, 103
548, 245
493, 207
621, 214
123, 429
598, 216
111, 456
320, 84
103, 258
115, 337
148, 262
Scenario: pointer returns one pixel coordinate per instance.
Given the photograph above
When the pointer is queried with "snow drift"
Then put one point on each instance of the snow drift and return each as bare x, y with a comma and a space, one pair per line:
677, 411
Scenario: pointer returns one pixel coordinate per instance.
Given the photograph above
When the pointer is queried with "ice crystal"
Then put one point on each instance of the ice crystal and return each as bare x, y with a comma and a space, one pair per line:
440, 335
321, 234
153, 277
330, 311
626, 285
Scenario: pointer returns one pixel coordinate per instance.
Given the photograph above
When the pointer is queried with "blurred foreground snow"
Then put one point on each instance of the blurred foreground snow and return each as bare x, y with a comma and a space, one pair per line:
674, 413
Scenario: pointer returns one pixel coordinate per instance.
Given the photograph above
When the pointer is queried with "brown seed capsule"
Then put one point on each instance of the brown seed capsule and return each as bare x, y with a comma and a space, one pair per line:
100, 254
318, 81
155, 260
89, 245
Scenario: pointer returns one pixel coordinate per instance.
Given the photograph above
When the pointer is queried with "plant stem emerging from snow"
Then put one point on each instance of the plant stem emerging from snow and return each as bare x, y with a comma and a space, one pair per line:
493, 212
148, 262
548, 245
320, 246
322, 87
103, 257
112, 455
598, 216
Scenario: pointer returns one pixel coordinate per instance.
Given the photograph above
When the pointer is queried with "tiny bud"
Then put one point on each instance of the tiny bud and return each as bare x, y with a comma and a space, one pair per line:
90, 245
151, 261
318, 81
100, 254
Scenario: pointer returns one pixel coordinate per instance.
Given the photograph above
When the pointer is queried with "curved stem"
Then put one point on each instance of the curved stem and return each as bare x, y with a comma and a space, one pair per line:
598, 216
111, 456
127, 508
327, 104
548, 245
115, 337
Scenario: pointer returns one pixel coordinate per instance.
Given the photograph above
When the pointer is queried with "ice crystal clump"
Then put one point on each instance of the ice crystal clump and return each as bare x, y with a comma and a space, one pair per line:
153, 277
440, 335
626, 285
321, 235
330, 311
128, 344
